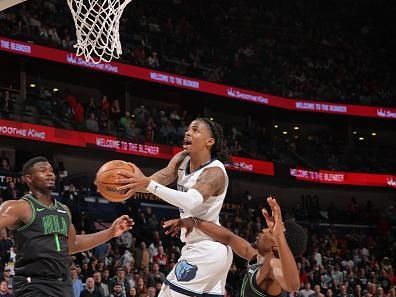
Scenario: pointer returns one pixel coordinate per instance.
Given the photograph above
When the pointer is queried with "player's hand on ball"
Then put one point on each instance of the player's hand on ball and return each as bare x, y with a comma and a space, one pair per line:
135, 181
138, 172
175, 225
122, 224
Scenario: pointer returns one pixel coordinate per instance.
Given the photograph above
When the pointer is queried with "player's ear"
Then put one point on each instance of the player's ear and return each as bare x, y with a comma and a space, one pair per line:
211, 141
28, 178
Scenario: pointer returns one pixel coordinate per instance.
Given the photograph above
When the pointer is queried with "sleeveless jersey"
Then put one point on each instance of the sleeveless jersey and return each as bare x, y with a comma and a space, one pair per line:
42, 247
210, 209
249, 286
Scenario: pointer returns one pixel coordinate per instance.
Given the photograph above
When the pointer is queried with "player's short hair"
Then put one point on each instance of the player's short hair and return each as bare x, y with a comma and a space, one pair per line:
219, 151
296, 237
30, 163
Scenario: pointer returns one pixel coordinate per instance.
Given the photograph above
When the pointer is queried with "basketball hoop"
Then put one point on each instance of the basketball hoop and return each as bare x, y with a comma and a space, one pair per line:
97, 28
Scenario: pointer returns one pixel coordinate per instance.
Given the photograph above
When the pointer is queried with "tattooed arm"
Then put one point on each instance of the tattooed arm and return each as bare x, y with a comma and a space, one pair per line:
137, 182
168, 174
211, 182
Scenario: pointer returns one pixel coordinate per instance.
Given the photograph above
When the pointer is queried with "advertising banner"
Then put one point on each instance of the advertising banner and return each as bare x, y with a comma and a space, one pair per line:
60, 56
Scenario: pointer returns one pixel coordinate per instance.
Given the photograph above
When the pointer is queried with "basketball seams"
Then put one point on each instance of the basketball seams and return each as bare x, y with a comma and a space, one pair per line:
105, 180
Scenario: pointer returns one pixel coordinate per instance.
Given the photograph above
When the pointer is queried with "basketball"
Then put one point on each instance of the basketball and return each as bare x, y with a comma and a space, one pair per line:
105, 180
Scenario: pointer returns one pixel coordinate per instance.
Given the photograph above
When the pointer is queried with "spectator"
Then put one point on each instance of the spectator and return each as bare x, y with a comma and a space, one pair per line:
306, 291
161, 259
317, 292
155, 276
91, 290
142, 256
4, 165
105, 105
106, 278
153, 247
91, 123
103, 288
117, 290
151, 292
129, 274
357, 291
141, 288
4, 289
91, 107
337, 276
4, 157
125, 120
132, 293
6, 275
115, 110
121, 280
126, 259
343, 292
329, 293
77, 283
86, 271
153, 61
79, 113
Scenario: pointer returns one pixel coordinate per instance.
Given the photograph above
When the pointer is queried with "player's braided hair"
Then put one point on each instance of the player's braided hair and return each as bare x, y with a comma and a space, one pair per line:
219, 151
30, 163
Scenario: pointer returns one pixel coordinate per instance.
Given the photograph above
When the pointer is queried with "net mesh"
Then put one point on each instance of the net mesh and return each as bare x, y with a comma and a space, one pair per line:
97, 28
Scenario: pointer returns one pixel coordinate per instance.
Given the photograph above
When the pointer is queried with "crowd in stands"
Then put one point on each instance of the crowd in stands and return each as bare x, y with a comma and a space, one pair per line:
338, 52
166, 125
293, 49
339, 261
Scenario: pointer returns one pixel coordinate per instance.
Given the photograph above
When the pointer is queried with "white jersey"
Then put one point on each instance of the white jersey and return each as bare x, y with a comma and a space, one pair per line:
210, 209
204, 263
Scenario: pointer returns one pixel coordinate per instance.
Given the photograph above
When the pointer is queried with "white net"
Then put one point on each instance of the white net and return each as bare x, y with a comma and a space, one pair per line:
97, 28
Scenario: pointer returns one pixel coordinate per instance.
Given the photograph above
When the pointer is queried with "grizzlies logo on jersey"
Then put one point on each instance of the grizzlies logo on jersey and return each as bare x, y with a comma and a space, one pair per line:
185, 271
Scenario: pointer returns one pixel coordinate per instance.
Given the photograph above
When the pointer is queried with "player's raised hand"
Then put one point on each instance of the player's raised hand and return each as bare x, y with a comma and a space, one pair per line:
175, 225
274, 222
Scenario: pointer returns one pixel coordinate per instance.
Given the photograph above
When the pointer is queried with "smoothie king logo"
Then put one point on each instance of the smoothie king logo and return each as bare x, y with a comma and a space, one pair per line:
74, 60
244, 96
383, 113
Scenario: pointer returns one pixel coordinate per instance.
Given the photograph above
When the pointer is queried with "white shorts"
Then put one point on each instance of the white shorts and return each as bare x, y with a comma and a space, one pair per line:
201, 271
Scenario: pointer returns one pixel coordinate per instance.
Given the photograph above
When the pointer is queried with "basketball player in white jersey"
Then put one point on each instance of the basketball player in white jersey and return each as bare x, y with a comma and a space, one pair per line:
202, 184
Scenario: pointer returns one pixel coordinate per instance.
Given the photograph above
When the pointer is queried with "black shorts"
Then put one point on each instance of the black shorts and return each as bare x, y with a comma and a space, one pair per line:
40, 287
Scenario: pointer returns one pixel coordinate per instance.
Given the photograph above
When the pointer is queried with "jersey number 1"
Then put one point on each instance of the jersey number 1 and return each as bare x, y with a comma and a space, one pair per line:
57, 243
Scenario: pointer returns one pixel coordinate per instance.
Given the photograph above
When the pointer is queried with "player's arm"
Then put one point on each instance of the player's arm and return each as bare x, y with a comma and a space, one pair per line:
239, 245
168, 174
211, 182
14, 213
137, 181
80, 243
284, 268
